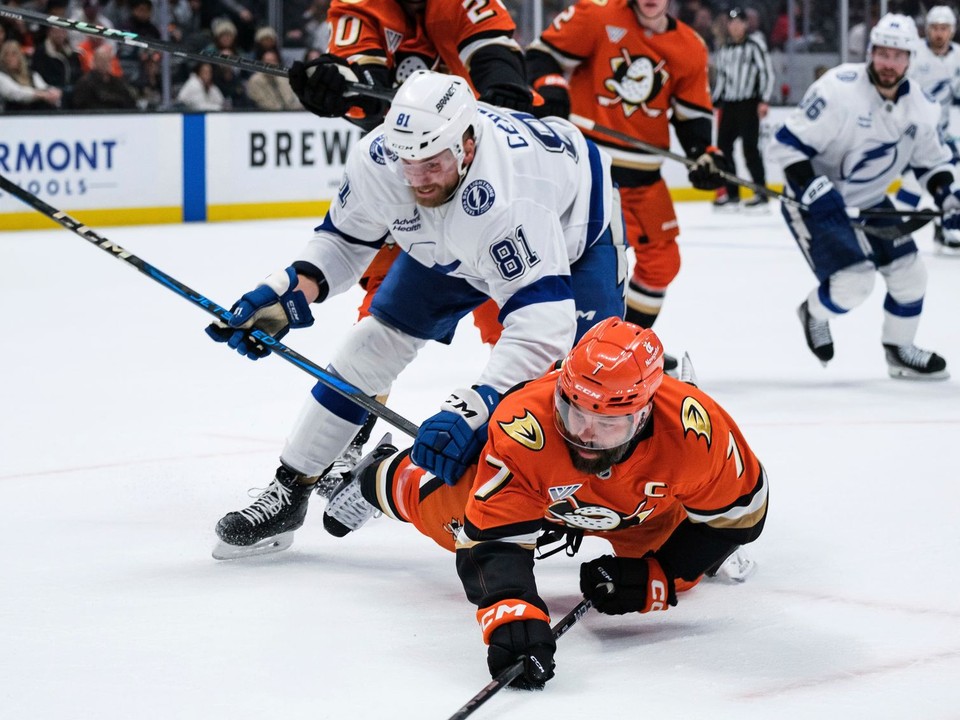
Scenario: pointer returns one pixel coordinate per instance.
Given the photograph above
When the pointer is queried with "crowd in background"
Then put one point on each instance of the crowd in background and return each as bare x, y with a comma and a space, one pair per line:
47, 68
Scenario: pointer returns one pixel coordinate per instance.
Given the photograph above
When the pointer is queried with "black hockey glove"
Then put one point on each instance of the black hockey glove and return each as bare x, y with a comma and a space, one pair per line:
556, 96
530, 640
705, 174
618, 585
510, 96
322, 85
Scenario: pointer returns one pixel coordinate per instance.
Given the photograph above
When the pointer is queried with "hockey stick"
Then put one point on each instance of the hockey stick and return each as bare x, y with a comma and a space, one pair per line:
331, 381
890, 232
133, 39
511, 673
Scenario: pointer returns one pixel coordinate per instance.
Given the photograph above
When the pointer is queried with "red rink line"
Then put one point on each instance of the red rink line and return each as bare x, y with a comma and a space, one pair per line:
905, 664
889, 607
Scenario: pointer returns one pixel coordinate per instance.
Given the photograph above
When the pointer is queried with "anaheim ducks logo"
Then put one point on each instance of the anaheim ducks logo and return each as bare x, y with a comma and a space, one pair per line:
596, 518
525, 430
635, 82
694, 418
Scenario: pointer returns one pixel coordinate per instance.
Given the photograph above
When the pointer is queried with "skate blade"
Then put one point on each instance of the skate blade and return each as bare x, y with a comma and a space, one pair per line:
735, 569
906, 374
278, 543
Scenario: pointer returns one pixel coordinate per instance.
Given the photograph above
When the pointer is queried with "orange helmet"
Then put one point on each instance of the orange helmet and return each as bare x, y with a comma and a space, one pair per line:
613, 372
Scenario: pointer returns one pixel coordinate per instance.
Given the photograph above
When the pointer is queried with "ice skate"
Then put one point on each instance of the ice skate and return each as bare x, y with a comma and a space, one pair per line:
734, 569
347, 509
347, 461
726, 204
757, 205
941, 244
908, 362
267, 525
670, 365
817, 333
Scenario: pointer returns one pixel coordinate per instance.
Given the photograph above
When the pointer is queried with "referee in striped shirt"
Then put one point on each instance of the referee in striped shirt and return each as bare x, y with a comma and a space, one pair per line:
743, 89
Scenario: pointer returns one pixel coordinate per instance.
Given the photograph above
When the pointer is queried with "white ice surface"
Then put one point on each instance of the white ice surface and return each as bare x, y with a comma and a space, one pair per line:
125, 434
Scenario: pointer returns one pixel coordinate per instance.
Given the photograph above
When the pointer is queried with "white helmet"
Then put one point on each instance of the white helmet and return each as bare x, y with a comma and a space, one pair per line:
941, 15
895, 31
430, 114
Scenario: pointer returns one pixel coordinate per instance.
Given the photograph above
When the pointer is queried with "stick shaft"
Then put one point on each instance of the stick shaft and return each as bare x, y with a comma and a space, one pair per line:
511, 673
292, 356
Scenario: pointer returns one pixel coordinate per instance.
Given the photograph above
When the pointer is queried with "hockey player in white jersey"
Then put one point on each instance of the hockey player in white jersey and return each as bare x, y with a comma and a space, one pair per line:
855, 131
484, 203
936, 69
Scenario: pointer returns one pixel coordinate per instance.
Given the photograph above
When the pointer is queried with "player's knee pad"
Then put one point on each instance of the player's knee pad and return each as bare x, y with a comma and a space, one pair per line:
906, 278
374, 355
848, 288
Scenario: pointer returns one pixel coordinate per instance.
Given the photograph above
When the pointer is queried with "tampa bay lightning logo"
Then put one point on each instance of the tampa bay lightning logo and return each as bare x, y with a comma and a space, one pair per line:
380, 152
478, 197
868, 165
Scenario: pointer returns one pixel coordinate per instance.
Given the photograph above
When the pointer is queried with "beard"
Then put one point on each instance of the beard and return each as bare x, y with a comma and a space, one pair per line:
891, 81
600, 460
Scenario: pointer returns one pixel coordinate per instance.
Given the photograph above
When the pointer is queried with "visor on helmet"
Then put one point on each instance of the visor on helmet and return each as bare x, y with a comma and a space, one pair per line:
593, 431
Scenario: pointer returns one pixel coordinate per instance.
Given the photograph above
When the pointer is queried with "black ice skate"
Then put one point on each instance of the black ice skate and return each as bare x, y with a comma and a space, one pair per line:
347, 509
908, 362
726, 204
757, 205
267, 525
670, 365
817, 332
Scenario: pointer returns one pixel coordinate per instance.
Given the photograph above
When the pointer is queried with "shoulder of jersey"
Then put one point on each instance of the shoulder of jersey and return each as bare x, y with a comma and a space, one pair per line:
686, 411
525, 416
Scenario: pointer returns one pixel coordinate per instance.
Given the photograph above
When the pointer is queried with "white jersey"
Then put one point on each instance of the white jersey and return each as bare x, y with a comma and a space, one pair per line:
860, 140
534, 197
939, 76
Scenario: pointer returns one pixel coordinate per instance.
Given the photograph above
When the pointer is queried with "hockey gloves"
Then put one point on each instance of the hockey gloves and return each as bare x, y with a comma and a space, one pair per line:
273, 308
826, 214
951, 216
618, 585
510, 96
528, 640
452, 439
556, 97
705, 173
322, 83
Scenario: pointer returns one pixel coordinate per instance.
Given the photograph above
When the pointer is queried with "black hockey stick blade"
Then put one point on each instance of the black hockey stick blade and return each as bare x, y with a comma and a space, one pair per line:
511, 673
126, 37
338, 385
895, 232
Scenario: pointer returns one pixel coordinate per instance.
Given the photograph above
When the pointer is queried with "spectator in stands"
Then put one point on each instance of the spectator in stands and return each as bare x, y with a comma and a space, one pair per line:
100, 89
269, 92
247, 16
20, 89
149, 82
58, 63
141, 20
264, 40
91, 12
87, 49
310, 29
224, 37
199, 93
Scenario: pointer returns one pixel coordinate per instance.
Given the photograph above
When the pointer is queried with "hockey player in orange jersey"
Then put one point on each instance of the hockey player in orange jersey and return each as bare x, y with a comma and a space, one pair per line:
606, 445
636, 70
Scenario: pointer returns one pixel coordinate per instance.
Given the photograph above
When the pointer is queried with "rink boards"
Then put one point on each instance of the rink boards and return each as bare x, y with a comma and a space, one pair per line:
171, 168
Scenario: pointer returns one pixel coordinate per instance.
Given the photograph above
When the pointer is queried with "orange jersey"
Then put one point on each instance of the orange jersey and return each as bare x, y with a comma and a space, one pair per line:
691, 462
379, 31
627, 79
